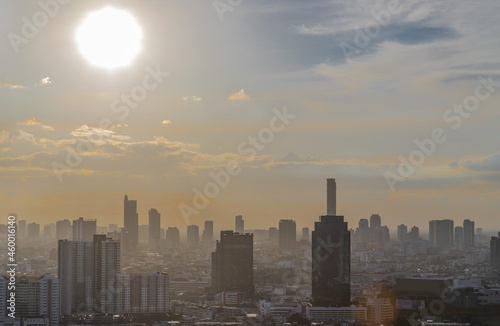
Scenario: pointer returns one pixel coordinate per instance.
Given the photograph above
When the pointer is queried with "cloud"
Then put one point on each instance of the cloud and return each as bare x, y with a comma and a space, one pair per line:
44, 81
34, 122
193, 98
490, 163
239, 96
88, 132
4, 136
166, 122
7, 83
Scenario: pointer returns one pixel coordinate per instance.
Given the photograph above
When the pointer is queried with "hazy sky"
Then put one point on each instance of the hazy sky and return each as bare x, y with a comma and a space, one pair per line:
354, 118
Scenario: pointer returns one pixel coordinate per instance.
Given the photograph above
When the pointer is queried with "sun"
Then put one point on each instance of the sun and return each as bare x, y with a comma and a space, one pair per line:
109, 38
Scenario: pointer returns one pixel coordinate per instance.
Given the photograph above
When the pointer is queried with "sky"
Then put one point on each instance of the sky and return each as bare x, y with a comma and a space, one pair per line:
334, 89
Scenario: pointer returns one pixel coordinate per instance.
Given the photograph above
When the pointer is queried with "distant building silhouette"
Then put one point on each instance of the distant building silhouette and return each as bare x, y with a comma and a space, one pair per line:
84, 230
305, 234
172, 236
274, 237
495, 252
154, 229
469, 234
208, 233
193, 236
64, 230
232, 263
33, 231
239, 224
143, 293
331, 197
130, 236
402, 233
414, 233
331, 262
441, 234
363, 231
287, 234
459, 238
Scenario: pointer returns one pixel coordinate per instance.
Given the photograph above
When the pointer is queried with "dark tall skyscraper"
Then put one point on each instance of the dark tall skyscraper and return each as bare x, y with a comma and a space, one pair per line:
441, 234
402, 232
305, 234
495, 252
84, 230
154, 229
239, 224
331, 197
331, 262
232, 263
193, 236
208, 233
130, 236
287, 234
469, 234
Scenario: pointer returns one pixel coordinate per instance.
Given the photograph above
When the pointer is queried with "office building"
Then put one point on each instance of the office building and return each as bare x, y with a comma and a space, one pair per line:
172, 236
154, 229
331, 262
239, 224
441, 234
232, 264
84, 230
495, 252
459, 238
402, 233
64, 230
208, 233
287, 234
36, 298
193, 236
469, 234
130, 236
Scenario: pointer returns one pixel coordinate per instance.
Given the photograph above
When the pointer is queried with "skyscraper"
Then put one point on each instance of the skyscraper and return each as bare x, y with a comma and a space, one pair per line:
441, 234
274, 237
363, 231
402, 232
63, 230
305, 234
33, 231
193, 236
459, 238
86, 271
469, 234
331, 262
232, 263
495, 252
239, 224
143, 293
414, 233
154, 229
208, 233
172, 236
331, 197
130, 236
84, 230
287, 234
21, 228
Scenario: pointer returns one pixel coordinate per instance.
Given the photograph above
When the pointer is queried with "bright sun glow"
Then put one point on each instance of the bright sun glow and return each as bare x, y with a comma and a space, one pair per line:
109, 38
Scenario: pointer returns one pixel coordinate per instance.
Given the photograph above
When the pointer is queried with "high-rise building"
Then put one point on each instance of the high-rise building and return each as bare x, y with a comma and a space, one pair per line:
469, 234
130, 236
37, 300
375, 222
495, 252
84, 230
287, 234
232, 263
414, 233
143, 293
274, 237
208, 233
172, 236
441, 234
402, 233
193, 236
21, 229
154, 229
331, 262
64, 230
331, 197
33, 231
87, 270
305, 234
459, 238
239, 224
363, 231
49, 231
